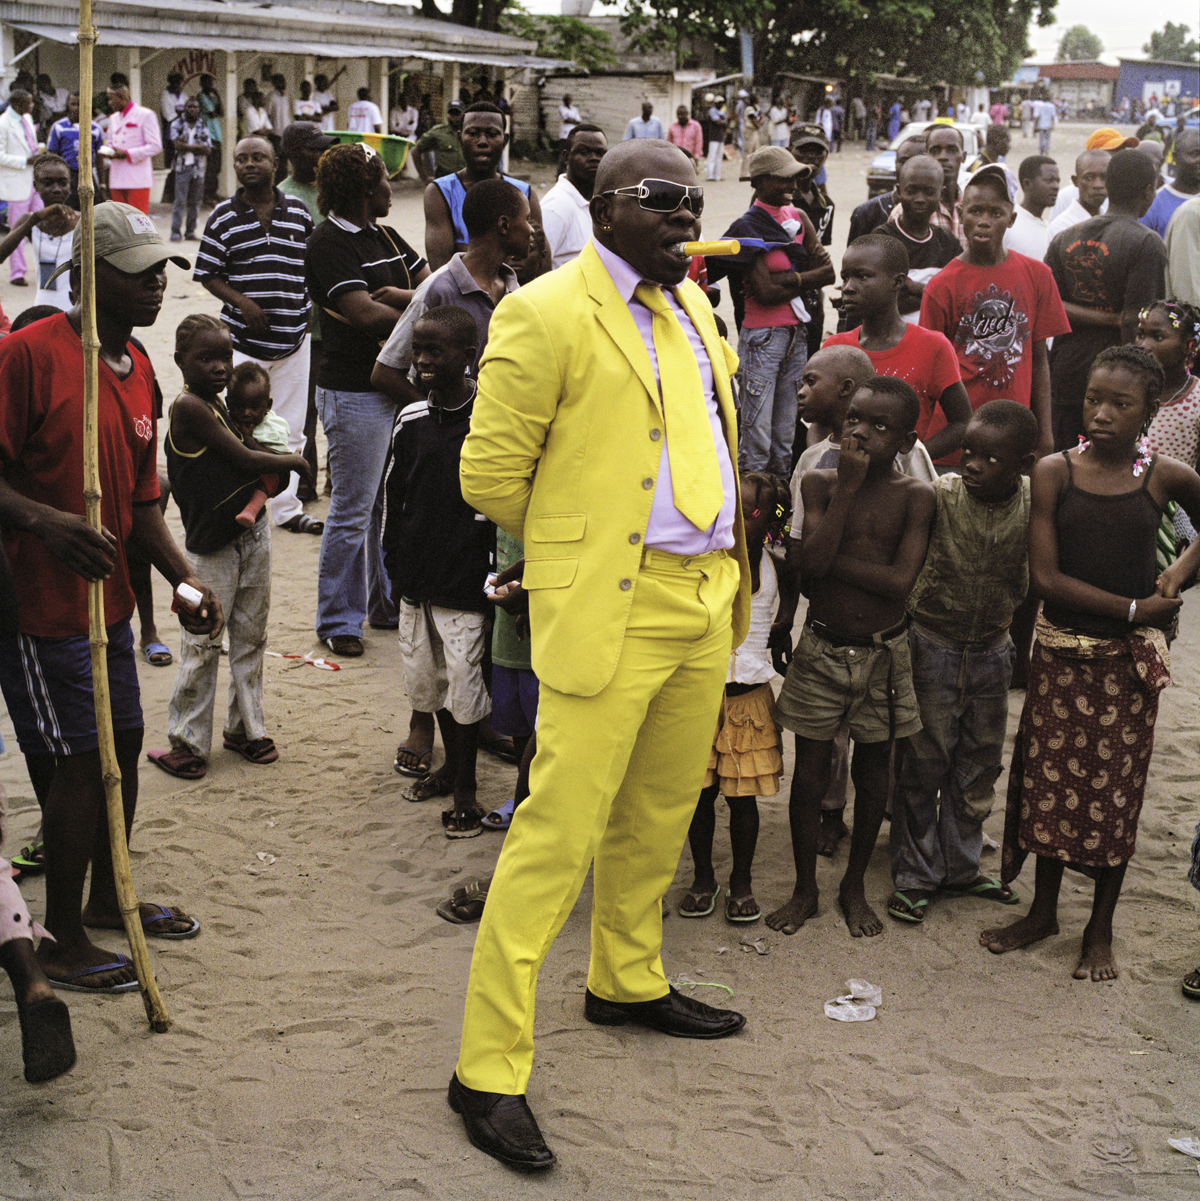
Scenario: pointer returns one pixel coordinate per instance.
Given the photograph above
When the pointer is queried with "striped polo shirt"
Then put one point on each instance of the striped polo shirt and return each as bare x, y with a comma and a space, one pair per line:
266, 265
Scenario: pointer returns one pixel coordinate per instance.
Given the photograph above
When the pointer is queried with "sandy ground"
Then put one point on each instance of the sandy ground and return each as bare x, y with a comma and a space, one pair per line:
316, 1017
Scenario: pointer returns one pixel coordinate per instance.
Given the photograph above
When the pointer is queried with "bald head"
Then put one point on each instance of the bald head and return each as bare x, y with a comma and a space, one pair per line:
847, 362
630, 162
909, 148
920, 166
1090, 160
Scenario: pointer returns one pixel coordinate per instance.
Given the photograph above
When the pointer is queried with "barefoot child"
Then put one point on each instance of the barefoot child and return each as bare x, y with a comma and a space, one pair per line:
249, 404
1083, 747
438, 551
831, 378
874, 273
745, 762
866, 528
214, 469
975, 576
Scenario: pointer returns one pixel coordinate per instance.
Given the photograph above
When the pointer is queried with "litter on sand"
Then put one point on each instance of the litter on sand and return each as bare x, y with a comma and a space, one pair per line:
1189, 1146
858, 1004
755, 944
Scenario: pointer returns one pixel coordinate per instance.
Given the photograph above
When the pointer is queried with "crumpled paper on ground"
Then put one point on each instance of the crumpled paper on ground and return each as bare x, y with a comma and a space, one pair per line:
858, 1004
1189, 1146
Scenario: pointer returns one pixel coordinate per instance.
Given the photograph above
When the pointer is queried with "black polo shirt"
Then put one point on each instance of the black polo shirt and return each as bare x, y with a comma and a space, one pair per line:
343, 258
267, 265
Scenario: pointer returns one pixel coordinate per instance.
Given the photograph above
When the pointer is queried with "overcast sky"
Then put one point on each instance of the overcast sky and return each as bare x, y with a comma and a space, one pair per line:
1123, 27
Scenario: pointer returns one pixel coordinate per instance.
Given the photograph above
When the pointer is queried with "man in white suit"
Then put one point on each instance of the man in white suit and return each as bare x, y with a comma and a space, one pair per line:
18, 149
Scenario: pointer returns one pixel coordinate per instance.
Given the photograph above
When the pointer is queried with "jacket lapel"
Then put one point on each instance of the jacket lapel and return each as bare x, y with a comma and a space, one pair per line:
613, 314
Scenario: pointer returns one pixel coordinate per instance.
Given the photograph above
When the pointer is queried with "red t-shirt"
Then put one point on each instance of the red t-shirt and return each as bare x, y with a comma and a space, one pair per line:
922, 359
993, 316
41, 457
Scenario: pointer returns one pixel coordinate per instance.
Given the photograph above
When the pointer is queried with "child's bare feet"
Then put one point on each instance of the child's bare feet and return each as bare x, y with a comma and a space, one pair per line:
789, 917
862, 920
1096, 959
833, 830
1029, 929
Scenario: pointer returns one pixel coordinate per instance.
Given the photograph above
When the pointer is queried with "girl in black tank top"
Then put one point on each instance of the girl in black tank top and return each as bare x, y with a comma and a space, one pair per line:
1082, 752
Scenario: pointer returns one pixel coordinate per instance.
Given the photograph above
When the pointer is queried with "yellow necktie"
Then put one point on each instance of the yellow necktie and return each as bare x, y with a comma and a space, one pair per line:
695, 473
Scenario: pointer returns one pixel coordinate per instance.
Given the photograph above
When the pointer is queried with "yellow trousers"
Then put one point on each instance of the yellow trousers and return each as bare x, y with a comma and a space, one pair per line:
615, 778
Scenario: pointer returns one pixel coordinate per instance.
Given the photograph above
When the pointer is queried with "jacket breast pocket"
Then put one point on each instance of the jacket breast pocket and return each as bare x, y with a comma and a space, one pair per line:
549, 573
557, 527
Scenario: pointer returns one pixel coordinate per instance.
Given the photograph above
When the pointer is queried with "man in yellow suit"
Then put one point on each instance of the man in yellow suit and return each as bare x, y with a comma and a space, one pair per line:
604, 437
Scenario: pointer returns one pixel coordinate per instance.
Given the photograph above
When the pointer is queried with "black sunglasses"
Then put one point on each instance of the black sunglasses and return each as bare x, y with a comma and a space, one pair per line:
663, 196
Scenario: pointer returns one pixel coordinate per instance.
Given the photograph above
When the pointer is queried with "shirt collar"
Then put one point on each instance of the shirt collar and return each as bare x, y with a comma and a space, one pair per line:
625, 278
575, 195
242, 204
465, 281
348, 226
125, 110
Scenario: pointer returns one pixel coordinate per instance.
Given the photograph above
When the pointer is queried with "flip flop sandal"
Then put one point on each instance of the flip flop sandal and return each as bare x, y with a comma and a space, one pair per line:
158, 654
903, 909
180, 763
730, 916
66, 983
475, 813
471, 897
164, 914
428, 787
303, 524
501, 817
1191, 990
501, 747
30, 860
425, 757
712, 903
989, 889
257, 750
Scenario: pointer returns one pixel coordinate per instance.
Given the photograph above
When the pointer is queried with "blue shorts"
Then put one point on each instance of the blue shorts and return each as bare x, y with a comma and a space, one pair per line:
514, 701
47, 684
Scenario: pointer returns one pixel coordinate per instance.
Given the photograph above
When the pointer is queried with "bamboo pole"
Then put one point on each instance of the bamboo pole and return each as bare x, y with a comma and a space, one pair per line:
156, 1010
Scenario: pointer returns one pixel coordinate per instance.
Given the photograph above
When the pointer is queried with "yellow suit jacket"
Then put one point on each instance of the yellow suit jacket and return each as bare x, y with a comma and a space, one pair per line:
563, 451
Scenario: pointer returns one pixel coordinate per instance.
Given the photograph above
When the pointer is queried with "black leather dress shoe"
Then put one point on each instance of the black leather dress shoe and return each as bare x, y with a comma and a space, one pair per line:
673, 1014
501, 1125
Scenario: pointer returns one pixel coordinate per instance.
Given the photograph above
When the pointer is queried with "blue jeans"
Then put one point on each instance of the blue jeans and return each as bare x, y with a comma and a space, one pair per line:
963, 694
352, 585
772, 365
1043, 141
189, 191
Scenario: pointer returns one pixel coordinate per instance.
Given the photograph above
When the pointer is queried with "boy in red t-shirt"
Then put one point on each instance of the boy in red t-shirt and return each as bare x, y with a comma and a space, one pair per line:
45, 670
997, 307
874, 272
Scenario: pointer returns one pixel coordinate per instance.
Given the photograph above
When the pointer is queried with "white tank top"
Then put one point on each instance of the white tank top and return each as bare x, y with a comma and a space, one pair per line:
751, 663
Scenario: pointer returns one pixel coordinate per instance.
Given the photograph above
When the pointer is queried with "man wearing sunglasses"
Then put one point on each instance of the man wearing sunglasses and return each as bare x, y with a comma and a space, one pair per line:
603, 435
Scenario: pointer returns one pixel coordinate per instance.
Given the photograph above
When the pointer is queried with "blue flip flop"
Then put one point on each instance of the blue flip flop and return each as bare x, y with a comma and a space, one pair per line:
66, 985
165, 913
160, 649
501, 817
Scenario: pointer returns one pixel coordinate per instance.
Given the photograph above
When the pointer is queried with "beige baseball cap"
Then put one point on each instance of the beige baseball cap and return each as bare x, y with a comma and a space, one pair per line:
773, 160
126, 238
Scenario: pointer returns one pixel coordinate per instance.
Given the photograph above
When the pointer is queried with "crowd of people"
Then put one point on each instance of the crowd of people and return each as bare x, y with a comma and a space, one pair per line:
591, 524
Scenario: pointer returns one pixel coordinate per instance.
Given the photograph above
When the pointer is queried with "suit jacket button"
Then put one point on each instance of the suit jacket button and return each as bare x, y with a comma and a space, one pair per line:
647, 483
655, 435
626, 585
635, 538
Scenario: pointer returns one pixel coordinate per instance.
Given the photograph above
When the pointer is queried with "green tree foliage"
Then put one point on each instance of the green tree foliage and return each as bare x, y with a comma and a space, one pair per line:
560, 37
931, 40
1079, 45
1171, 44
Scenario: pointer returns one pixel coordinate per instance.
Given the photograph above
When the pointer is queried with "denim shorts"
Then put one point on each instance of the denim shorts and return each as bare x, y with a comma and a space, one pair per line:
826, 684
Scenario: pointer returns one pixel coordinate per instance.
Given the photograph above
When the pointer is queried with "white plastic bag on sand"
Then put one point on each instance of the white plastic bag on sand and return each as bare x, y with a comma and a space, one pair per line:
858, 1005
1189, 1146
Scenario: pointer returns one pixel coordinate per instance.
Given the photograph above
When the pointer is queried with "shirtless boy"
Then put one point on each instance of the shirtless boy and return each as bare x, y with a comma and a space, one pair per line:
866, 530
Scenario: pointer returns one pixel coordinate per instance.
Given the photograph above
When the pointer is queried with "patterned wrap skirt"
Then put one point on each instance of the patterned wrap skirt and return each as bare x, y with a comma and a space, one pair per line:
1082, 753
747, 752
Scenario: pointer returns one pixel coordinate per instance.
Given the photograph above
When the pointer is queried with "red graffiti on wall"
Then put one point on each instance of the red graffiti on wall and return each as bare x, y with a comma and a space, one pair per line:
196, 63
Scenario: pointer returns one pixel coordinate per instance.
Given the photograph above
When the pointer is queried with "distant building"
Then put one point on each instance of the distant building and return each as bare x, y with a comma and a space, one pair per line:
1139, 79
1084, 86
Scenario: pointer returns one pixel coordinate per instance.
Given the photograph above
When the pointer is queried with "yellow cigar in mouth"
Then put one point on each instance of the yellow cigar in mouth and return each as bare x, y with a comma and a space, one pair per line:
687, 250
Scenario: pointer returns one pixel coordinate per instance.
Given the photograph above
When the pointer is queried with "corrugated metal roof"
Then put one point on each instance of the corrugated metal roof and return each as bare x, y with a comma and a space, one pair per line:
152, 39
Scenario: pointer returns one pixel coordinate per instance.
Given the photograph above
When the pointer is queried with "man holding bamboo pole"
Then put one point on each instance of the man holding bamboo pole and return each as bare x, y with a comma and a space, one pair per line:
45, 671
